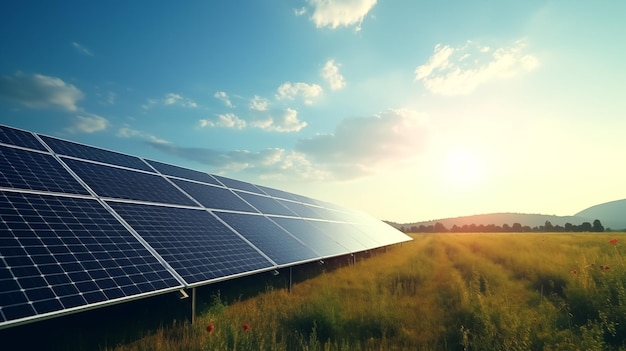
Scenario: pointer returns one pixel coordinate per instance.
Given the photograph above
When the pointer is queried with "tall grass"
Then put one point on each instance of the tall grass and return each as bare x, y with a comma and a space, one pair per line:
439, 292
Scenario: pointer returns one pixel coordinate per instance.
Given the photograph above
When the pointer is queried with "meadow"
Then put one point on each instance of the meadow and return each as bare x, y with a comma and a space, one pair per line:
439, 292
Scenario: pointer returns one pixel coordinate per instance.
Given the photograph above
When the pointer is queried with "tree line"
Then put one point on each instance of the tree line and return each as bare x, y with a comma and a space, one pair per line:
438, 227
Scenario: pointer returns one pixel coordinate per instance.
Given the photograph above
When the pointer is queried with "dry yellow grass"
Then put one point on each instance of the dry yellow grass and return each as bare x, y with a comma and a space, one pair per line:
439, 292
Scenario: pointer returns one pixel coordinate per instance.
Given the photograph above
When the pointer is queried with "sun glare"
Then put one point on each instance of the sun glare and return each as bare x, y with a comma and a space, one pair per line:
463, 169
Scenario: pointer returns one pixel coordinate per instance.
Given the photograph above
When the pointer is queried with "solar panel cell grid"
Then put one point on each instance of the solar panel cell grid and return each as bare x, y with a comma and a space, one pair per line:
193, 242
85, 152
183, 172
19, 138
266, 205
237, 184
48, 270
214, 197
312, 236
22, 169
265, 235
126, 184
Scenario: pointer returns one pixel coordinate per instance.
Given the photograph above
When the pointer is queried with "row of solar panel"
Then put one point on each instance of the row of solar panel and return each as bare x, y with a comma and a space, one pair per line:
77, 233
25, 139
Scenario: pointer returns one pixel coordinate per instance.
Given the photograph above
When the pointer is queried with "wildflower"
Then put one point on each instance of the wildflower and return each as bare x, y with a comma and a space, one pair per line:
574, 271
613, 241
210, 328
535, 319
246, 327
606, 267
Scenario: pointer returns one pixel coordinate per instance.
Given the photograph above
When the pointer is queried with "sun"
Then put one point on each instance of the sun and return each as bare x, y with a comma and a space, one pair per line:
463, 168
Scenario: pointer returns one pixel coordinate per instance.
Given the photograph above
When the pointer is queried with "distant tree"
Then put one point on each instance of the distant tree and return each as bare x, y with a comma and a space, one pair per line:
585, 227
597, 226
569, 227
517, 228
506, 228
548, 227
440, 228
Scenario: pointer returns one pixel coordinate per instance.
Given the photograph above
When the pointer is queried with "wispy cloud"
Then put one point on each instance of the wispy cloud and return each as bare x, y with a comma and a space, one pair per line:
222, 96
459, 71
40, 91
299, 12
367, 145
171, 99
88, 124
308, 92
127, 132
340, 13
285, 122
82, 49
270, 163
331, 74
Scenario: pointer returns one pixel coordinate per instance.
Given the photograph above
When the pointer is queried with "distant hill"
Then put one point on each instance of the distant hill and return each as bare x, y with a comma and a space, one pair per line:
612, 214
531, 220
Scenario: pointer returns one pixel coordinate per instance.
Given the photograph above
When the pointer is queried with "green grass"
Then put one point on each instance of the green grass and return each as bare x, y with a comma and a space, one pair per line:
439, 292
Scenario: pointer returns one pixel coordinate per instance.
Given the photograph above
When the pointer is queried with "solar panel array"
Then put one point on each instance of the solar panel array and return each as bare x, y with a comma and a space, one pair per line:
82, 227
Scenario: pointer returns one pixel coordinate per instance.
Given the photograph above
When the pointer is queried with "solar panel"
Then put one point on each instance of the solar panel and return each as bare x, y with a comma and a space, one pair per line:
126, 184
312, 236
239, 185
214, 197
68, 148
22, 169
59, 253
181, 172
266, 205
301, 210
19, 138
197, 245
265, 235
145, 227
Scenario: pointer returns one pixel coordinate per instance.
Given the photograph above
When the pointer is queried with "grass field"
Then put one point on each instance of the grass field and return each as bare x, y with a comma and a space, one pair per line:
439, 292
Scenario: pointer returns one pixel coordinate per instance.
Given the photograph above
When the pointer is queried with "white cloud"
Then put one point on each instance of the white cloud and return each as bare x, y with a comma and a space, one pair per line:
308, 92
459, 71
300, 11
177, 99
286, 123
127, 132
88, 124
228, 120
222, 96
40, 91
81, 49
259, 104
361, 146
331, 74
340, 13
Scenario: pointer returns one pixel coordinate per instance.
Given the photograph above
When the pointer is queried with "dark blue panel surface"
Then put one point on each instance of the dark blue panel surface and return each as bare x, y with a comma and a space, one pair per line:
239, 185
213, 197
183, 172
126, 184
276, 193
312, 236
347, 235
265, 204
197, 245
85, 152
301, 210
24, 169
275, 242
20, 138
60, 252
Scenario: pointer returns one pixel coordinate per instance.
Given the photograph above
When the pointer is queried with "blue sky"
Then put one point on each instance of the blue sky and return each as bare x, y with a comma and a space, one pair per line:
407, 110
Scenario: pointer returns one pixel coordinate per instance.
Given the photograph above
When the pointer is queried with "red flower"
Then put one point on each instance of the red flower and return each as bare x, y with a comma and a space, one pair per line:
613, 241
246, 327
210, 328
606, 267
574, 271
